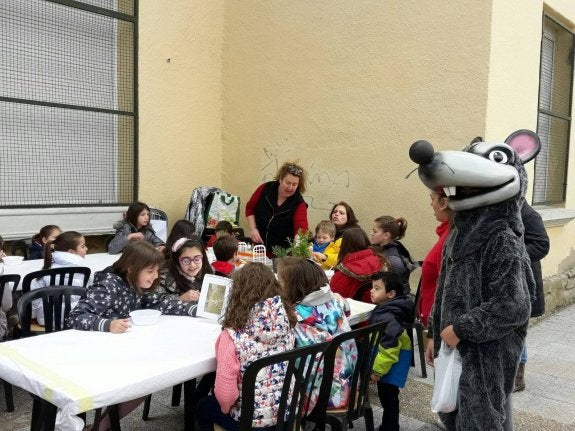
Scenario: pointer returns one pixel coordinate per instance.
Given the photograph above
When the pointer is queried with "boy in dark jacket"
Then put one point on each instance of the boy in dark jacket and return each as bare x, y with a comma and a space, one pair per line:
393, 358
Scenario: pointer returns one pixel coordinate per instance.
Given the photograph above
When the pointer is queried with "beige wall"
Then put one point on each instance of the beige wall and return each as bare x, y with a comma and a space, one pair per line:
513, 94
343, 87
180, 81
346, 87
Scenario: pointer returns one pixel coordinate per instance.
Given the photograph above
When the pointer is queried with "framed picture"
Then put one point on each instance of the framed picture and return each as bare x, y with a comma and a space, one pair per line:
214, 296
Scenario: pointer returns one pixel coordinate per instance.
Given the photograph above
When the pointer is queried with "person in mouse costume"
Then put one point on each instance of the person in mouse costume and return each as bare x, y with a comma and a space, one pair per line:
484, 292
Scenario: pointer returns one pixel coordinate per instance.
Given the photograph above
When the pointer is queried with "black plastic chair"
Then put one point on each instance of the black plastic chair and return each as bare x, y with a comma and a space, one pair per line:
5, 279
20, 247
419, 328
367, 340
57, 277
56, 301
303, 367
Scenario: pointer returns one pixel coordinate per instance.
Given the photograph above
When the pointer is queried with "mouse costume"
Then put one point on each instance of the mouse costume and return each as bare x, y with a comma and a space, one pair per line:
485, 285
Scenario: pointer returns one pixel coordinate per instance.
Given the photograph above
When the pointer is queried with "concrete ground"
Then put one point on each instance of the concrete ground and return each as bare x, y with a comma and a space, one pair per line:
547, 404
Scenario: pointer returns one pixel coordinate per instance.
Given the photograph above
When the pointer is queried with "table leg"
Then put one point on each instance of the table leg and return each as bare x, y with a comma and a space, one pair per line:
114, 416
190, 404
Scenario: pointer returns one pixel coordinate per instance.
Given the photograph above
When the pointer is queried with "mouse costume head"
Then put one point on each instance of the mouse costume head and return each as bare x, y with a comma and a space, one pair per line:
482, 174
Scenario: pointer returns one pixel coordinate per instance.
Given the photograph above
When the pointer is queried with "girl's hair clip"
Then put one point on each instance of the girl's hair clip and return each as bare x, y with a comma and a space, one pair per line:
178, 244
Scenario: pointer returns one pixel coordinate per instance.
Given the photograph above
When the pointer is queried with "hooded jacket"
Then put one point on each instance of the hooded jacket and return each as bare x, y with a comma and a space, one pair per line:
354, 271
394, 351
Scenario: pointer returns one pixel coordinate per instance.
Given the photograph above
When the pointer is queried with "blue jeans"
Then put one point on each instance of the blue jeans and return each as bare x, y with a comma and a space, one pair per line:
523, 359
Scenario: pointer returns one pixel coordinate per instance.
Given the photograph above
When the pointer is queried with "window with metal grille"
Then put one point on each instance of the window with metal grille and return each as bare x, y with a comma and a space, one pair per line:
554, 120
68, 102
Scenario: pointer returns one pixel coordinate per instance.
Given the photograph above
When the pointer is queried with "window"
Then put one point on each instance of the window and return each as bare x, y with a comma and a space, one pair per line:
68, 111
554, 120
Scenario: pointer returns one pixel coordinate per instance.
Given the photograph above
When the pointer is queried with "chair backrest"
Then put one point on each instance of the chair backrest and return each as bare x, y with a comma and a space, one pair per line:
159, 221
302, 367
367, 340
58, 276
57, 304
20, 247
8, 278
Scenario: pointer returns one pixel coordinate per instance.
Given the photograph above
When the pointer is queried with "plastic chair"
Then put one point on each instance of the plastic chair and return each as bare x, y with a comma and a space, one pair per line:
302, 367
5, 279
20, 247
159, 221
58, 276
419, 328
57, 306
367, 340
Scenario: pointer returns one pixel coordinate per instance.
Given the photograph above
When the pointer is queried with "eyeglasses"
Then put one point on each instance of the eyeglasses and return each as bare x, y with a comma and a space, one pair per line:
188, 260
294, 170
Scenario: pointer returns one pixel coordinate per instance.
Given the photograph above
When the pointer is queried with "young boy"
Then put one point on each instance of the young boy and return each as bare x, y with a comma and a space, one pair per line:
223, 228
323, 241
226, 251
393, 358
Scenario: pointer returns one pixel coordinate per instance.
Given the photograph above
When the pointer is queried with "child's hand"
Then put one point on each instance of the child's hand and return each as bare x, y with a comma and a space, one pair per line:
2, 254
429, 352
161, 247
136, 236
374, 378
190, 295
317, 256
119, 326
448, 335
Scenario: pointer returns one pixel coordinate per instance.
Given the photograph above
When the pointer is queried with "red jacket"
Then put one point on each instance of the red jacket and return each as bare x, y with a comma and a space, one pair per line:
354, 271
430, 273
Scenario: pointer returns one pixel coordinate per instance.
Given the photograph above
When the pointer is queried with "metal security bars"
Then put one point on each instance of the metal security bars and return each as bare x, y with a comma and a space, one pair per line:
554, 120
68, 102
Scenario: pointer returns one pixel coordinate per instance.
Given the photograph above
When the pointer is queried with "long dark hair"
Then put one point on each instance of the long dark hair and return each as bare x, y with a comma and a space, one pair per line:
351, 219
137, 256
173, 264
182, 229
65, 241
355, 239
395, 226
299, 277
134, 211
45, 233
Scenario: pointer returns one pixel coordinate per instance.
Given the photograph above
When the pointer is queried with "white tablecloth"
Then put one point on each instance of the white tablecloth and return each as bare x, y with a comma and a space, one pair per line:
78, 371
96, 262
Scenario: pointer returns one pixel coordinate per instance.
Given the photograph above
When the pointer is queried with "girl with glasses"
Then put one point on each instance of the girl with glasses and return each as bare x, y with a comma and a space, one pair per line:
184, 270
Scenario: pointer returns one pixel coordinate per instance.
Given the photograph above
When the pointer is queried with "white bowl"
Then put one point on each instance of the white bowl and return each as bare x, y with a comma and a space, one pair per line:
12, 260
145, 317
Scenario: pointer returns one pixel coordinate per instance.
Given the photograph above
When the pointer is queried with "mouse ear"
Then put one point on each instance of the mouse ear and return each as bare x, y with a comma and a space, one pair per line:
525, 143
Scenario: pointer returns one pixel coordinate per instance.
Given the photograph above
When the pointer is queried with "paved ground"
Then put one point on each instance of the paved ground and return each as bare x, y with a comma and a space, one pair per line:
548, 403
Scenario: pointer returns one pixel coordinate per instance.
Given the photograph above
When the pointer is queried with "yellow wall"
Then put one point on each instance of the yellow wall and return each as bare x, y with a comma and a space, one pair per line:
346, 87
513, 94
180, 100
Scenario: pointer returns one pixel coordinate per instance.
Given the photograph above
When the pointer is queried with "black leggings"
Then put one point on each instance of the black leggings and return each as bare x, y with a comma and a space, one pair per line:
389, 398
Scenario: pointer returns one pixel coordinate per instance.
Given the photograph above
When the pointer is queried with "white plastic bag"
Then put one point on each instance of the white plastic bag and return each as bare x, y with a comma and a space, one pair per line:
447, 372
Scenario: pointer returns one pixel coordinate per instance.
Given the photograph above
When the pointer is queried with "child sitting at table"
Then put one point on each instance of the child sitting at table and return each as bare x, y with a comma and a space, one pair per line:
255, 308
321, 315
47, 233
67, 249
357, 261
223, 228
393, 359
226, 251
323, 242
182, 229
183, 273
135, 227
122, 288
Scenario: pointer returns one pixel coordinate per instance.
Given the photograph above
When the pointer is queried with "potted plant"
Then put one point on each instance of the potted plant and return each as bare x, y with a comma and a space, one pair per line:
299, 246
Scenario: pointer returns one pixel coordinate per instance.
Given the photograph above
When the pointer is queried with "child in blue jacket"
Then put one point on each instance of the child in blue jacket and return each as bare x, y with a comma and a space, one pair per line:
393, 358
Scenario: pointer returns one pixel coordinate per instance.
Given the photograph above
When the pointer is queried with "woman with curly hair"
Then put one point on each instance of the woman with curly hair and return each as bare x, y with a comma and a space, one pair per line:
276, 211
255, 325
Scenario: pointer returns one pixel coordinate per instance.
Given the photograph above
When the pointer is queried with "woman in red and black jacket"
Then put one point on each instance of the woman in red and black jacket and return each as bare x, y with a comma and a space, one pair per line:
277, 210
